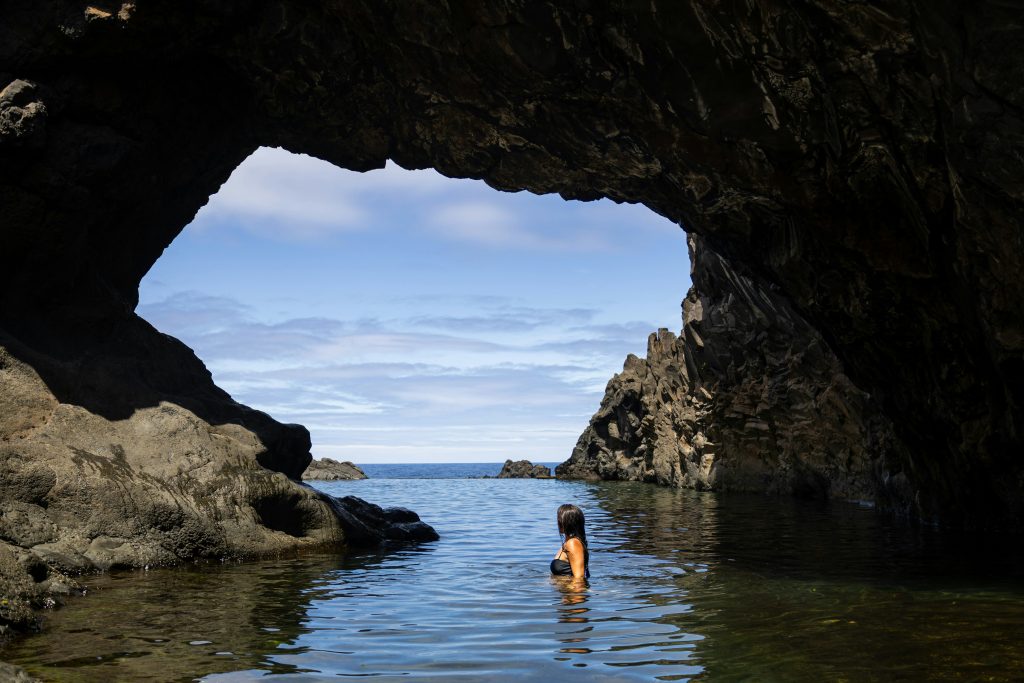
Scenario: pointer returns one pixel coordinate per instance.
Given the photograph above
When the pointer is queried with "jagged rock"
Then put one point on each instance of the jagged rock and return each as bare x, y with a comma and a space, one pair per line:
19, 591
369, 524
523, 469
327, 469
749, 397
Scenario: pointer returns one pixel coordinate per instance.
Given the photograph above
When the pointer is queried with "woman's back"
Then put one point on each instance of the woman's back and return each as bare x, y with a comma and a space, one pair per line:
573, 559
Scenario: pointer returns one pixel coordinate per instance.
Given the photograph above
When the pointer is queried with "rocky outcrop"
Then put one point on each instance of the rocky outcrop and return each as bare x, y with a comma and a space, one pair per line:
523, 469
860, 161
117, 450
369, 524
749, 397
326, 469
14, 674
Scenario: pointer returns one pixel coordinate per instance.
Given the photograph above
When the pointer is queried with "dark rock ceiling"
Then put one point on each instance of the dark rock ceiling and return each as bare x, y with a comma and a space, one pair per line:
863, 161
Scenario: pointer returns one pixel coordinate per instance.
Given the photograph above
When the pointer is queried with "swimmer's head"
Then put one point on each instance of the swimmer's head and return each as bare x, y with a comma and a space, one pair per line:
571, 522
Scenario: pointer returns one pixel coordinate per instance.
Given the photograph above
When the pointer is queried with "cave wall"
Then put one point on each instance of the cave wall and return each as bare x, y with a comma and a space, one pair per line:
747, 397
863, 162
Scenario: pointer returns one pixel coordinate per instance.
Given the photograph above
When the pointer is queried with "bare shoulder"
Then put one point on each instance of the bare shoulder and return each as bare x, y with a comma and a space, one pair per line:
574, 545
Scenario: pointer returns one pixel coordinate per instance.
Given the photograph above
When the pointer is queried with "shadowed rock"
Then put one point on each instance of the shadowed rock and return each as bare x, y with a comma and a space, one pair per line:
749, 397
369, 524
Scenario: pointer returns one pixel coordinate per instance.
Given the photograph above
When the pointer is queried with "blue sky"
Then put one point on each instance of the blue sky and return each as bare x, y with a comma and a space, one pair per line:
407, 317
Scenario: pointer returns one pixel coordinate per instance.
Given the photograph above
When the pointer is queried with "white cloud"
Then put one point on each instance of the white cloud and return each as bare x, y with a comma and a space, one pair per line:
485, 223
506, 318
327, 408
188, 312
397, 386
480, 223
294, 197
285, 196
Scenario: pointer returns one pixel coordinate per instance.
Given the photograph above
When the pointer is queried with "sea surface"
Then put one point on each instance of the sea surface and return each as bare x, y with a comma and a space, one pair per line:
685, 586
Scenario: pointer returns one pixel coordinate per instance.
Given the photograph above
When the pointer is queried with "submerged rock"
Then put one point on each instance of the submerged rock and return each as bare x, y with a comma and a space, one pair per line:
326, 469
523, 469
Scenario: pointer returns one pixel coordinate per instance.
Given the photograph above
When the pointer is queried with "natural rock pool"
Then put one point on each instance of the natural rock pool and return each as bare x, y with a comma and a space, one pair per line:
685, 585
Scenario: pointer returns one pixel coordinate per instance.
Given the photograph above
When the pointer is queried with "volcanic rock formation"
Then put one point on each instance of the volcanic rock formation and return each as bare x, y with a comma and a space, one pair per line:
115, 460
326, 469
523, 469
748, 398
860, 161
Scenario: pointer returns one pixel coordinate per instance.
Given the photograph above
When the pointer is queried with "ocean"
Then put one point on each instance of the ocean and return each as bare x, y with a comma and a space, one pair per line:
458, 470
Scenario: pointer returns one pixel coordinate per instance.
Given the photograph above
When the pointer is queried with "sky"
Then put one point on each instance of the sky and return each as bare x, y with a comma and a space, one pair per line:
403, 316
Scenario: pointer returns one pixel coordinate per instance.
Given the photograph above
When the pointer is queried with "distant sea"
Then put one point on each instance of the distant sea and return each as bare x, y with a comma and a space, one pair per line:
434, 470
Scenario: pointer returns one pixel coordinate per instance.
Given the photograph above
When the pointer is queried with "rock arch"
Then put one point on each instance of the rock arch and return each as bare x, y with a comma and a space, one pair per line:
860, 163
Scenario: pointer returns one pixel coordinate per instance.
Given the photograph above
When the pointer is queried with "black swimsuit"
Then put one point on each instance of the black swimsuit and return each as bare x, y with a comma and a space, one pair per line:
563, 568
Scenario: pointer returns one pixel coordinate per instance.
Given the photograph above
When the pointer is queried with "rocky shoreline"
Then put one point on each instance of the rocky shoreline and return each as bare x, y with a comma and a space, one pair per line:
117, 451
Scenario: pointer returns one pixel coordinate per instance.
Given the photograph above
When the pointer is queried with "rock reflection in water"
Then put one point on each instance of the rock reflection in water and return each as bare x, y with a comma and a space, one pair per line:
789, 590
175, 624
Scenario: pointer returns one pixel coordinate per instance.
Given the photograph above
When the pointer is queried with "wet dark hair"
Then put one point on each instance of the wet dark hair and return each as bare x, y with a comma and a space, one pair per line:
571, 523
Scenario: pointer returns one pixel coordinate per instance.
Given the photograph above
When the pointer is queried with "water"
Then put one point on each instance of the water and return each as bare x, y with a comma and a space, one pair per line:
685, 586
455, 470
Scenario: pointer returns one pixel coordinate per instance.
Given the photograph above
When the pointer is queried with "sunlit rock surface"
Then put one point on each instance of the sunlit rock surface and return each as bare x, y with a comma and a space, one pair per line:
115, 460
860, 162
523, 469
327, 469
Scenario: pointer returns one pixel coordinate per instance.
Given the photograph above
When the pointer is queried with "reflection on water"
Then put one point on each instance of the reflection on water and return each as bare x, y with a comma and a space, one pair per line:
684, 586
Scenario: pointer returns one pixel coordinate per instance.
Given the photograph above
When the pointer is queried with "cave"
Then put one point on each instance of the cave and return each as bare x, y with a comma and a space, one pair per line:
857, 165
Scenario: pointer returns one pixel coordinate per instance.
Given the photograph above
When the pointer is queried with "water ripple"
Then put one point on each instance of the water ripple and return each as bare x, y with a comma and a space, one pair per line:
685, 585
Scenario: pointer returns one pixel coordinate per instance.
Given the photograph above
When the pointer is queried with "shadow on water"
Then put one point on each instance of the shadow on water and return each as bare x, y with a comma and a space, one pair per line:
782, 590
805, 539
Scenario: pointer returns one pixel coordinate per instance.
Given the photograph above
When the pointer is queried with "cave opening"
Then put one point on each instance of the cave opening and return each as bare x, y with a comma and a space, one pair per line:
851, 180
864, 197
402, 316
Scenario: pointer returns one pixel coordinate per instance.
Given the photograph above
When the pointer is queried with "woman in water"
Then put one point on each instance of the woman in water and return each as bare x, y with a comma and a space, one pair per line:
573, 558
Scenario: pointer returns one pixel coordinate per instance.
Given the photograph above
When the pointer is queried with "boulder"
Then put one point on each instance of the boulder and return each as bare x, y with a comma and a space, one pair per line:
14, 674
523, 469
326, 469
